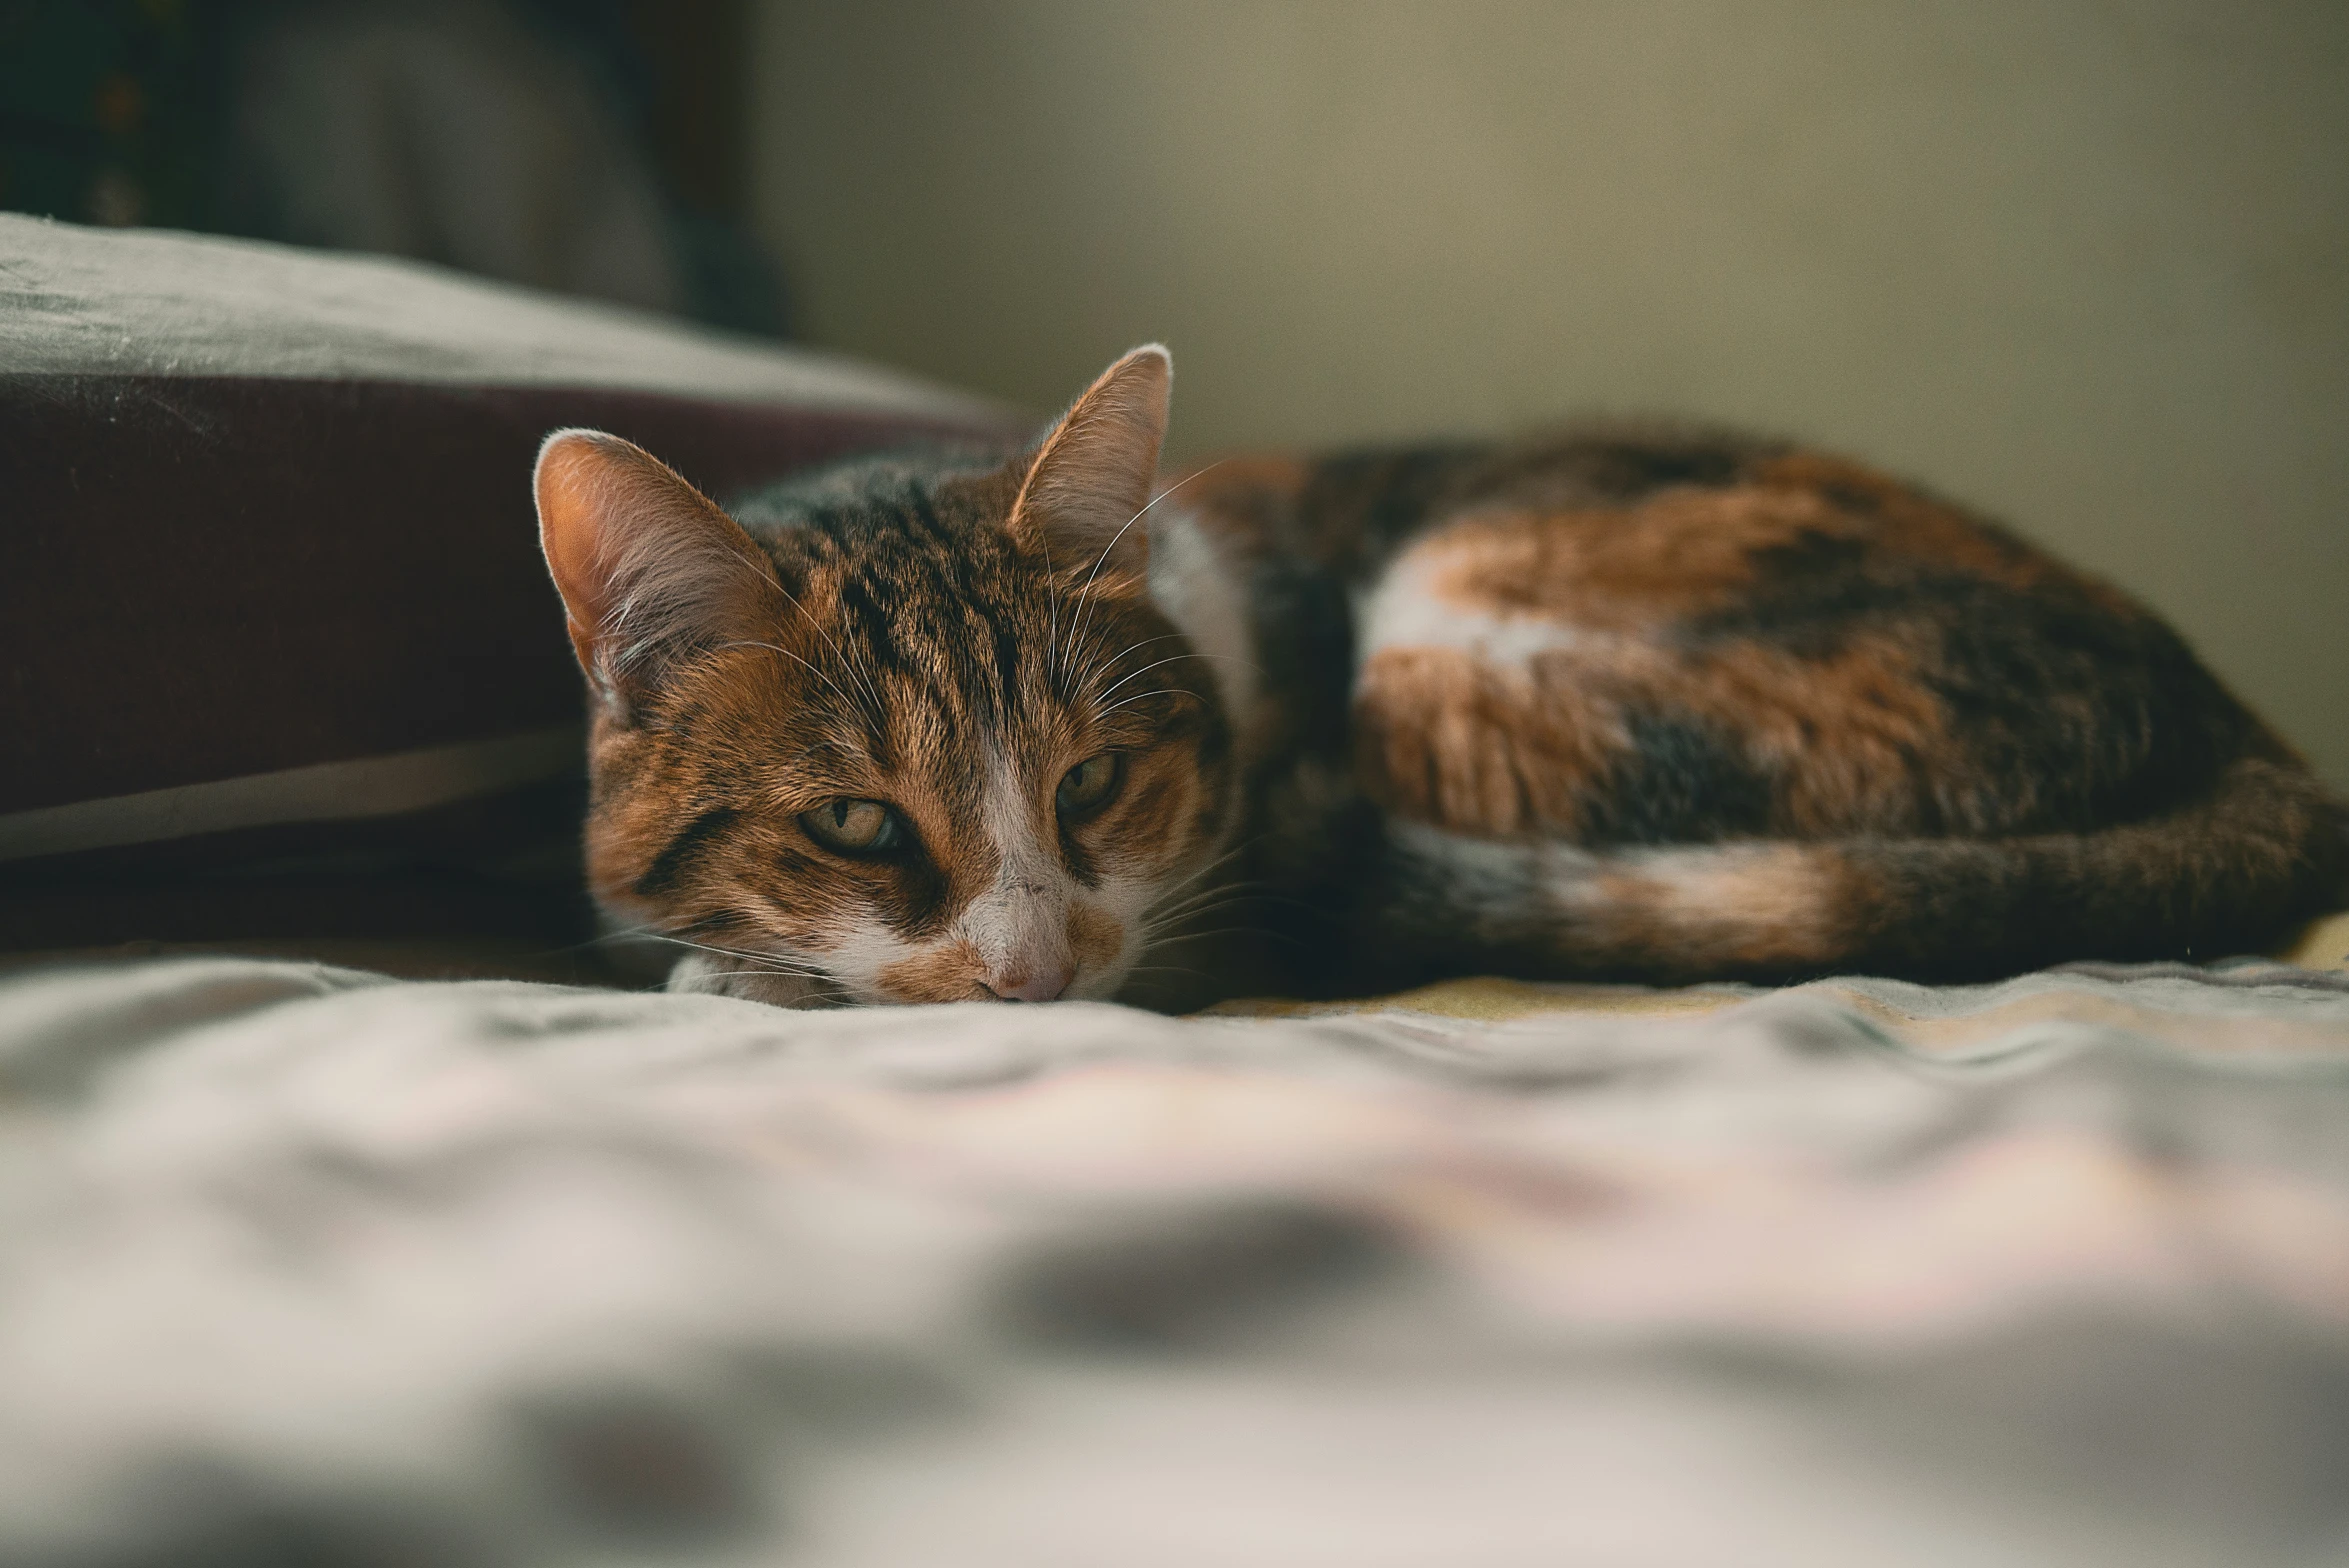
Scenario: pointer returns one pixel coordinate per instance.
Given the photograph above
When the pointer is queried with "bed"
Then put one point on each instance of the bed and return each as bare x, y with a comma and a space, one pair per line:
347, 1216
310, 1265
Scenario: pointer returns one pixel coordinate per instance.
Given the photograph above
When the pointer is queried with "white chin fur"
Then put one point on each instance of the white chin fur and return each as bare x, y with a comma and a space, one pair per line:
707, 975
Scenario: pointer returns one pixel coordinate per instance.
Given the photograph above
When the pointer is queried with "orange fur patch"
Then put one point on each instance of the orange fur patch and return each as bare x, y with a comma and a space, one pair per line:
1094, 935
949, 972
1733, 907
1849, 741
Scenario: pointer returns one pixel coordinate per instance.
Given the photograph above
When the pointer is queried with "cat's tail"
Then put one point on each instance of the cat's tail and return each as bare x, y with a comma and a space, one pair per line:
2262, 852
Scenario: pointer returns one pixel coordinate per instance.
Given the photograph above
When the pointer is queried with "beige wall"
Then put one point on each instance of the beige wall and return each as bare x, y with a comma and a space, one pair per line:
2085, 264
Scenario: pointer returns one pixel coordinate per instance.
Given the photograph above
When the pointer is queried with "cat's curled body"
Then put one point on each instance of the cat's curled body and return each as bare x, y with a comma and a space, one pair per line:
1639, 705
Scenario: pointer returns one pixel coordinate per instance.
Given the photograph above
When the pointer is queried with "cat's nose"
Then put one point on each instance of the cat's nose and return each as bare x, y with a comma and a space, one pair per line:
1039, 984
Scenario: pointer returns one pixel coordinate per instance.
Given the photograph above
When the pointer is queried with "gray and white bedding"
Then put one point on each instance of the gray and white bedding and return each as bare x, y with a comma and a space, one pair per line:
306, 1265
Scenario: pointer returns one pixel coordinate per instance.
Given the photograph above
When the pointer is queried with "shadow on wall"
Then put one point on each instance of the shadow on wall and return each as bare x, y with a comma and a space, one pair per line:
589, 148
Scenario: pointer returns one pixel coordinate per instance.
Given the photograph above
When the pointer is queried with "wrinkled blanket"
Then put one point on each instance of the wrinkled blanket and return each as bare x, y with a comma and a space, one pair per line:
305, 1265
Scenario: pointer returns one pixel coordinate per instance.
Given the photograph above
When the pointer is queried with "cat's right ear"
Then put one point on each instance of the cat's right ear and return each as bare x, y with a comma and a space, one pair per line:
650, 570
1090, 481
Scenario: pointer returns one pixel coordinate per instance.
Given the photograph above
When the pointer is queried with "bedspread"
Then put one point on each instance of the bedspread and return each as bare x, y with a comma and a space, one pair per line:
302, 1264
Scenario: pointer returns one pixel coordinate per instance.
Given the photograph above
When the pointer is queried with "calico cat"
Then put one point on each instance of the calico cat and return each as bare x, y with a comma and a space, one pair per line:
1648, 705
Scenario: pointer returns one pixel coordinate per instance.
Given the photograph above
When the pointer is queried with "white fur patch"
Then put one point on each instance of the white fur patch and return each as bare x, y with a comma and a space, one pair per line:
1021, 922
706, 974
1741, 887
1773, 898
860, 957
1404, 611
1197, 589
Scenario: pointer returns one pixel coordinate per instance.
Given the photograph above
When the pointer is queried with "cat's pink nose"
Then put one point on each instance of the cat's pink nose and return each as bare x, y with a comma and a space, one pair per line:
1040, 984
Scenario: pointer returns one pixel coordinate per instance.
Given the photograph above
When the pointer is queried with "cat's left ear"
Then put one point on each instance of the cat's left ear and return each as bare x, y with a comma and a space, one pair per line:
1096, 468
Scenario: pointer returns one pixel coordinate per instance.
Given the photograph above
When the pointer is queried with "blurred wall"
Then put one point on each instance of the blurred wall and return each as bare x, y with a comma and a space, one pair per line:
2085, 264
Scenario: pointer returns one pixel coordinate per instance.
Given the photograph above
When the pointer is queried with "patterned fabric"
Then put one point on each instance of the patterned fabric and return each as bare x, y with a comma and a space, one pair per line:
2055, 1270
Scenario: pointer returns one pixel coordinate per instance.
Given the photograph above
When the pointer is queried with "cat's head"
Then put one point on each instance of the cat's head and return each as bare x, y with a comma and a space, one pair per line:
916, 729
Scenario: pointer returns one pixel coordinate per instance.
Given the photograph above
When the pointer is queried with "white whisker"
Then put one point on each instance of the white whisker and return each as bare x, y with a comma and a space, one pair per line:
1102, 559
855, 670
819, 674
1093, 670
774, 963
1200, 909
1225, 858
1133, 675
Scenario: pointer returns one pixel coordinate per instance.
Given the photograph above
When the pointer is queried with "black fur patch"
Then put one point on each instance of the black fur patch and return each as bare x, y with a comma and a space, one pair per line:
683, 849
1680, 781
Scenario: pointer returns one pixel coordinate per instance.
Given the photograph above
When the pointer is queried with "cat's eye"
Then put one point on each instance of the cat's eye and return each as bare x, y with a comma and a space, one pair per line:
854, 827
1088, 785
